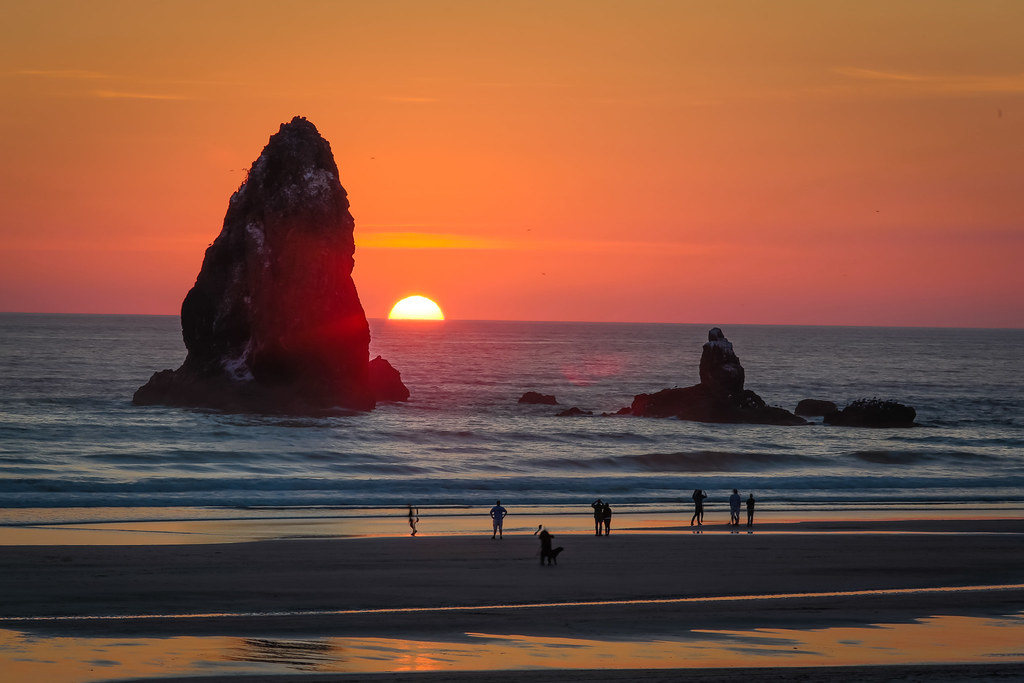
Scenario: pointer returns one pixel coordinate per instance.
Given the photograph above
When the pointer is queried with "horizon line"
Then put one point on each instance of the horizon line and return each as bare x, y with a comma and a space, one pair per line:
385, 319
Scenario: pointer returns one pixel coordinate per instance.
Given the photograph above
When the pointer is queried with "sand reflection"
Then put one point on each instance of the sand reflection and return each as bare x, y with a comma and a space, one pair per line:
932, 640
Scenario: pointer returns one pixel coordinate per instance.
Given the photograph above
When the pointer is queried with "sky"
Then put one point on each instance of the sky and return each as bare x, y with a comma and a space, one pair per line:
778, 162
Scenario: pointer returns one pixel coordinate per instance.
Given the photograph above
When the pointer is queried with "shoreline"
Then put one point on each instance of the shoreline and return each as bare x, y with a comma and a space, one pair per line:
161, 527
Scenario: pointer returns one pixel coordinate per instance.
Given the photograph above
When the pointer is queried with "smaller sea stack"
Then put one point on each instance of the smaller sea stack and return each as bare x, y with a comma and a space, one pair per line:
720, 396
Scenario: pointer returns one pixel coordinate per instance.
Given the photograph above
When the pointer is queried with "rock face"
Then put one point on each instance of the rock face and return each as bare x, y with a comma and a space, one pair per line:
720, 396
537, 398
873, 412
274, 323
811, 407
720, 369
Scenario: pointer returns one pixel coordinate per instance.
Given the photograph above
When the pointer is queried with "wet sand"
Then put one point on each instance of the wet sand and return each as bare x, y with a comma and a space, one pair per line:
641, 586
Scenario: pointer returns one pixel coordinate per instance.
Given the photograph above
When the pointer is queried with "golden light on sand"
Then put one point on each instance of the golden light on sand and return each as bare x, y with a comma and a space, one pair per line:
416, 308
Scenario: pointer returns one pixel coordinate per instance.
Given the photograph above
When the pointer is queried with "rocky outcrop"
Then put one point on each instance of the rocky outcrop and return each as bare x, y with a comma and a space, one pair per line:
537, 398
873, 412
811, 407
701, 403
720, 396
386, 381
273, 322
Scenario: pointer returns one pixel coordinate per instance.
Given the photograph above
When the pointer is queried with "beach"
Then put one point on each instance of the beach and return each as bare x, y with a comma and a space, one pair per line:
626, 587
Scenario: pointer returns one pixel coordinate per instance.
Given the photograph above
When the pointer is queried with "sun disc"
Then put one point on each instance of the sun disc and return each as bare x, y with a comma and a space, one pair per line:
416, 308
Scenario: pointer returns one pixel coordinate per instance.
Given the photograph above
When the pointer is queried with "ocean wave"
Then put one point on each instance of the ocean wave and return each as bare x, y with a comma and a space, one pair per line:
670, 489
578, 436
197, 485
693, 461
919, 457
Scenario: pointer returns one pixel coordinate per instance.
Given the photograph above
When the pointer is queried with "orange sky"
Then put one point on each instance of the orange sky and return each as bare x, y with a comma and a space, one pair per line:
669, 161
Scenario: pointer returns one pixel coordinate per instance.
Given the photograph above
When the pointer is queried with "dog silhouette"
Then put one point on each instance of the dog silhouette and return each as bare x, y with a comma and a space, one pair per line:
550, 555
546, 552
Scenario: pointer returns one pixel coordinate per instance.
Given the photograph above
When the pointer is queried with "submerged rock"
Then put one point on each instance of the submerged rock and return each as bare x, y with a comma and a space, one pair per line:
386, 381
537, 398
574, 412
720, 396
873, 412
273, 322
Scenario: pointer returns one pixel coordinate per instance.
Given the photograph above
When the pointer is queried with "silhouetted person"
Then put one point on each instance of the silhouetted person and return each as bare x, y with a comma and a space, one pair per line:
750, 510
598, 506
734, 508
498, 516
414, 518
606, 517
546, 552
698, 507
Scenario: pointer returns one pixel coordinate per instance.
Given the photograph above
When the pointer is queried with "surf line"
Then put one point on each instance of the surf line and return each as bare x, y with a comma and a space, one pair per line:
528, 605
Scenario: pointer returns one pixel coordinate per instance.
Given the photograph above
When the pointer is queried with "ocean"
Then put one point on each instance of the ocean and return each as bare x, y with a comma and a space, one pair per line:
73, 448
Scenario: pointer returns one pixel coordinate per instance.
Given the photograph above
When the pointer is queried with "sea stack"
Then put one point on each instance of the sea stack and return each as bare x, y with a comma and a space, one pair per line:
273, 322
720, 368
720, 396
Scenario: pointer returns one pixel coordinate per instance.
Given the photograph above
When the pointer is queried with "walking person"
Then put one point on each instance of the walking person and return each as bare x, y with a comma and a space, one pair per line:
750, 510
734, 508
497, 516
698, 507
414, 518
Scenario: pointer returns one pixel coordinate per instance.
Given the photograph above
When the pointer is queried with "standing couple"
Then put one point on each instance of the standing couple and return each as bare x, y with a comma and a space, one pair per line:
734, 509
602, 516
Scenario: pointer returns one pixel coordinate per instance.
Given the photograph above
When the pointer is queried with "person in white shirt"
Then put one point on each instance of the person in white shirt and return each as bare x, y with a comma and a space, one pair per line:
734, 508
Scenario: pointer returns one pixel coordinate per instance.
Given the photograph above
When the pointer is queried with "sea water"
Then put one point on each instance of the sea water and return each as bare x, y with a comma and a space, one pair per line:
73, 447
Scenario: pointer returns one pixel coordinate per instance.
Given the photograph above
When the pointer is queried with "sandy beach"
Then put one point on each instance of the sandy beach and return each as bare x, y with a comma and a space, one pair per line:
626, 586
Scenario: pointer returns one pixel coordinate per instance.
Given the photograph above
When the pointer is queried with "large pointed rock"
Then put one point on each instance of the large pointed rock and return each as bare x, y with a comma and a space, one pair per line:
274, 322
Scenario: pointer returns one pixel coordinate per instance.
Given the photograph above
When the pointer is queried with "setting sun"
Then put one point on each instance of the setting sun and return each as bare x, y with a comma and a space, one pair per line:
416, 308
